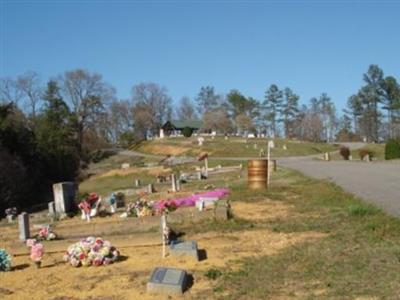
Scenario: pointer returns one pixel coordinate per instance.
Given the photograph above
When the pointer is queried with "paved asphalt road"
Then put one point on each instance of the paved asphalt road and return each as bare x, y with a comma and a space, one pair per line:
375, 182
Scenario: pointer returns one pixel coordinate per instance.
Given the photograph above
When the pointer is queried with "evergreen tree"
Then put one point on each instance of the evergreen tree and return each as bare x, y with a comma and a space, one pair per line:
273, 106
290, 109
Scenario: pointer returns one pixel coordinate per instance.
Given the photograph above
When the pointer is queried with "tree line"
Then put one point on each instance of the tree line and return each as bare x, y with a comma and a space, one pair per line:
49, 130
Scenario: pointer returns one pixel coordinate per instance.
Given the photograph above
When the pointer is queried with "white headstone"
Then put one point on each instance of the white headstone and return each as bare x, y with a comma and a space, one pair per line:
150, 188
161, 133
137, 182
200, 140
125, 166
173, 181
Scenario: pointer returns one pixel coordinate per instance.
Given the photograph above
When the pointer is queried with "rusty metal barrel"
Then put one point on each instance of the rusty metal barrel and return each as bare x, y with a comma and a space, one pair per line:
257, 171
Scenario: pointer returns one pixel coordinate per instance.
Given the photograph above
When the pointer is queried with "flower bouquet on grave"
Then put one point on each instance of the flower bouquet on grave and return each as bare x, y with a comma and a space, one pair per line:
11, 213
5, 261
91, 251
46, 234
37, 251
167, 206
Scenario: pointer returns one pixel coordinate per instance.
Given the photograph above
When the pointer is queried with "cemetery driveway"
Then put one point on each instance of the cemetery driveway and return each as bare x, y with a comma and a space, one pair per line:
375, 182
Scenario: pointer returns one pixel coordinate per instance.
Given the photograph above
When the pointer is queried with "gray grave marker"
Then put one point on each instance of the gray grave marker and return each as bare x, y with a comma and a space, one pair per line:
64, 196
23, 225
52, 208
167, 281
150, 188
188, 248
137, 182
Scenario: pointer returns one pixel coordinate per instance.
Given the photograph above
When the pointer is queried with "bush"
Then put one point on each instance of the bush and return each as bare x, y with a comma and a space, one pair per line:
364, 152
187, 132
344, 152
392, 149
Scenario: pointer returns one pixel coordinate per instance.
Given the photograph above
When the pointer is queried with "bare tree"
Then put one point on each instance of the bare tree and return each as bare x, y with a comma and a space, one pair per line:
186, 110
88, 96
120, 119
30, 88
155, 100
218, 120
9, 91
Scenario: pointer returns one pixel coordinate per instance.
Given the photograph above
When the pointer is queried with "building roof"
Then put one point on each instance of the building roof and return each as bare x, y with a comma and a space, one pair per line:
194, 124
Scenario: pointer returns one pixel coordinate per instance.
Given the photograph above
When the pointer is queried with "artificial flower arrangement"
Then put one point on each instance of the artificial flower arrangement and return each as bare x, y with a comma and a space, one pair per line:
11, 211
46, 234
5, 261
139, 208
164, 207
91, 251
37, 251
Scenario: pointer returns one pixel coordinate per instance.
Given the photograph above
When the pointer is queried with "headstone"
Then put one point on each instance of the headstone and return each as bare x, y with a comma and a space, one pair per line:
173, 182
200, 140
10, 218
199, 175
226, 138
178, 185
206, 202
367, 158
327, 156
188, 248
167, 281
137, 182
52, 208
125, 166
23, 225
150, 188
222, 210
255, 146
64, 196
284, 147
161, 133
350, 157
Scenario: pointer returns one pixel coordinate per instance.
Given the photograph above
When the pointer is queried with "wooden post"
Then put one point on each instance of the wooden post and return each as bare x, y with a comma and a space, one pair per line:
163, 229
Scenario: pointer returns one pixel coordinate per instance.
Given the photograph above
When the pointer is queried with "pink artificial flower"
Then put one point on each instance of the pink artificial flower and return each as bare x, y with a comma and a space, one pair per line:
37, 252
30, 242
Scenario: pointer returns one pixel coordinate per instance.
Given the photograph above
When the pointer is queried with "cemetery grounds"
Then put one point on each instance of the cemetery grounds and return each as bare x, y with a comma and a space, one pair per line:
300, 239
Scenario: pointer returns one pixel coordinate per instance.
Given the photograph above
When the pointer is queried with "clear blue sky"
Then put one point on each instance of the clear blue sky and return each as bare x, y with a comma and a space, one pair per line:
310, 46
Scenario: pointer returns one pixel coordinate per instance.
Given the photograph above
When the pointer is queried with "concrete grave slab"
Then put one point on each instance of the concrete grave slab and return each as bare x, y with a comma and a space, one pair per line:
188, 248
167, 281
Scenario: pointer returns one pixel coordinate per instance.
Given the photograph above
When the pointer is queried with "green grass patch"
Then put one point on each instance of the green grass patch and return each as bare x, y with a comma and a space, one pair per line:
358, 257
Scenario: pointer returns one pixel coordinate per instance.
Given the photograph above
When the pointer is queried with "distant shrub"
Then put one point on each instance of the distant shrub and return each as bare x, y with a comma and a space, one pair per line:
364, 152
187, 132
392, 149
344, 152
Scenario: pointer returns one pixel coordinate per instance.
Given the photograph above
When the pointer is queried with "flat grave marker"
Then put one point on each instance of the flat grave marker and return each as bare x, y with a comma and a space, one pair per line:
188, 248
167, 281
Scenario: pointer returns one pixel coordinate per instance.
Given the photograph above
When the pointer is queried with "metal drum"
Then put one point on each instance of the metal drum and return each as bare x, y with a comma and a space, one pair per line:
257, 173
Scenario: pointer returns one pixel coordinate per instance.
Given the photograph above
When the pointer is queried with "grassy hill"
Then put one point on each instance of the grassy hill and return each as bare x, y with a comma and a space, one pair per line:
233, 147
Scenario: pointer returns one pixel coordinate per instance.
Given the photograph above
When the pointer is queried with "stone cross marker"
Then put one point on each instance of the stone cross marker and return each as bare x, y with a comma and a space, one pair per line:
167, 281
188, 248
23, 225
